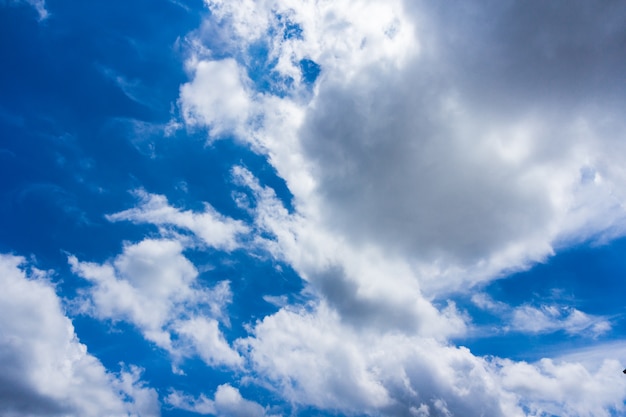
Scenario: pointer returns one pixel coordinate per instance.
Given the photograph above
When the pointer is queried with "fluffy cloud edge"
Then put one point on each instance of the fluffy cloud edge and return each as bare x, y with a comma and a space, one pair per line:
48, 369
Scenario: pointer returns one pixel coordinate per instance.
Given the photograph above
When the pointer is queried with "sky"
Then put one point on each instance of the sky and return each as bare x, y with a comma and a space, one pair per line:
312, 208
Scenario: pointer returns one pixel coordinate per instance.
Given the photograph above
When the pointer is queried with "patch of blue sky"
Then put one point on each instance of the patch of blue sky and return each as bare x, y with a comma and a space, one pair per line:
261, 66
310, 70
587, 277
291, 29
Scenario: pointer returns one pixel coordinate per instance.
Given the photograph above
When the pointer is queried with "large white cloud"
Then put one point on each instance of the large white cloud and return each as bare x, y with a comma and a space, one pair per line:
441, 146
45, 368
454, 135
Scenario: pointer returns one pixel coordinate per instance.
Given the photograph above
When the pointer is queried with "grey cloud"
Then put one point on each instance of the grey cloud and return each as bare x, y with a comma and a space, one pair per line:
407, 157
391, 166
17, 397
343, 294
516, 51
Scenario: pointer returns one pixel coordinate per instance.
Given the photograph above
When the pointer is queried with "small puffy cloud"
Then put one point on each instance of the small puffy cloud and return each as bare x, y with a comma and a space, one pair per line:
152, 285
216, 97
208, 341
212, 228
45, 368
228, 402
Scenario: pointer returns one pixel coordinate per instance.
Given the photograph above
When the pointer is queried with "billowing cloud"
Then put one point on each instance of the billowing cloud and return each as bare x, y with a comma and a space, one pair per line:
406, 149
313, 359
545, 318
152, 285
440, 146
46, 371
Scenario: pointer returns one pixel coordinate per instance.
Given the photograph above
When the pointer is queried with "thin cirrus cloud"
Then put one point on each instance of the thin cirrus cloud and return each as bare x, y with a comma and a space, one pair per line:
545, 318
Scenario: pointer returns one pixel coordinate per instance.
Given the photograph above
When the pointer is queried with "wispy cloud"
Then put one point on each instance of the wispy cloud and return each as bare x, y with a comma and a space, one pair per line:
212, 228
543, 318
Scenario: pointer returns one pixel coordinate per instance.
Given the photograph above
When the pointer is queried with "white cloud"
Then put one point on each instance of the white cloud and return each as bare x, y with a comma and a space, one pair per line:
551, 318
441, 146
314, 359
364, 286
546, 318
208, 341
152, 285
403, 147
214, 229
228, 402
216, 97
45, 368
550, 388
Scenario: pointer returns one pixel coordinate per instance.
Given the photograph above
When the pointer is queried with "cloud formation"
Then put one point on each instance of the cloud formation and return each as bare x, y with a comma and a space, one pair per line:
440, 146
46, 371
228, 402
406, 149
153, 286
213, 229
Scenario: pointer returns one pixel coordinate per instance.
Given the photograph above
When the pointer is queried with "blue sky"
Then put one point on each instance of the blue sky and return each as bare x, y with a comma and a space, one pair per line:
312, 208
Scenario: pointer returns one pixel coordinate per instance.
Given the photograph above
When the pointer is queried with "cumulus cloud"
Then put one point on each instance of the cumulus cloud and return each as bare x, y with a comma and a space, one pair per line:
440, 146
405, 148
45, 368
228, 402
152, 285
216, 97
549, 388
316, 360
366, 287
